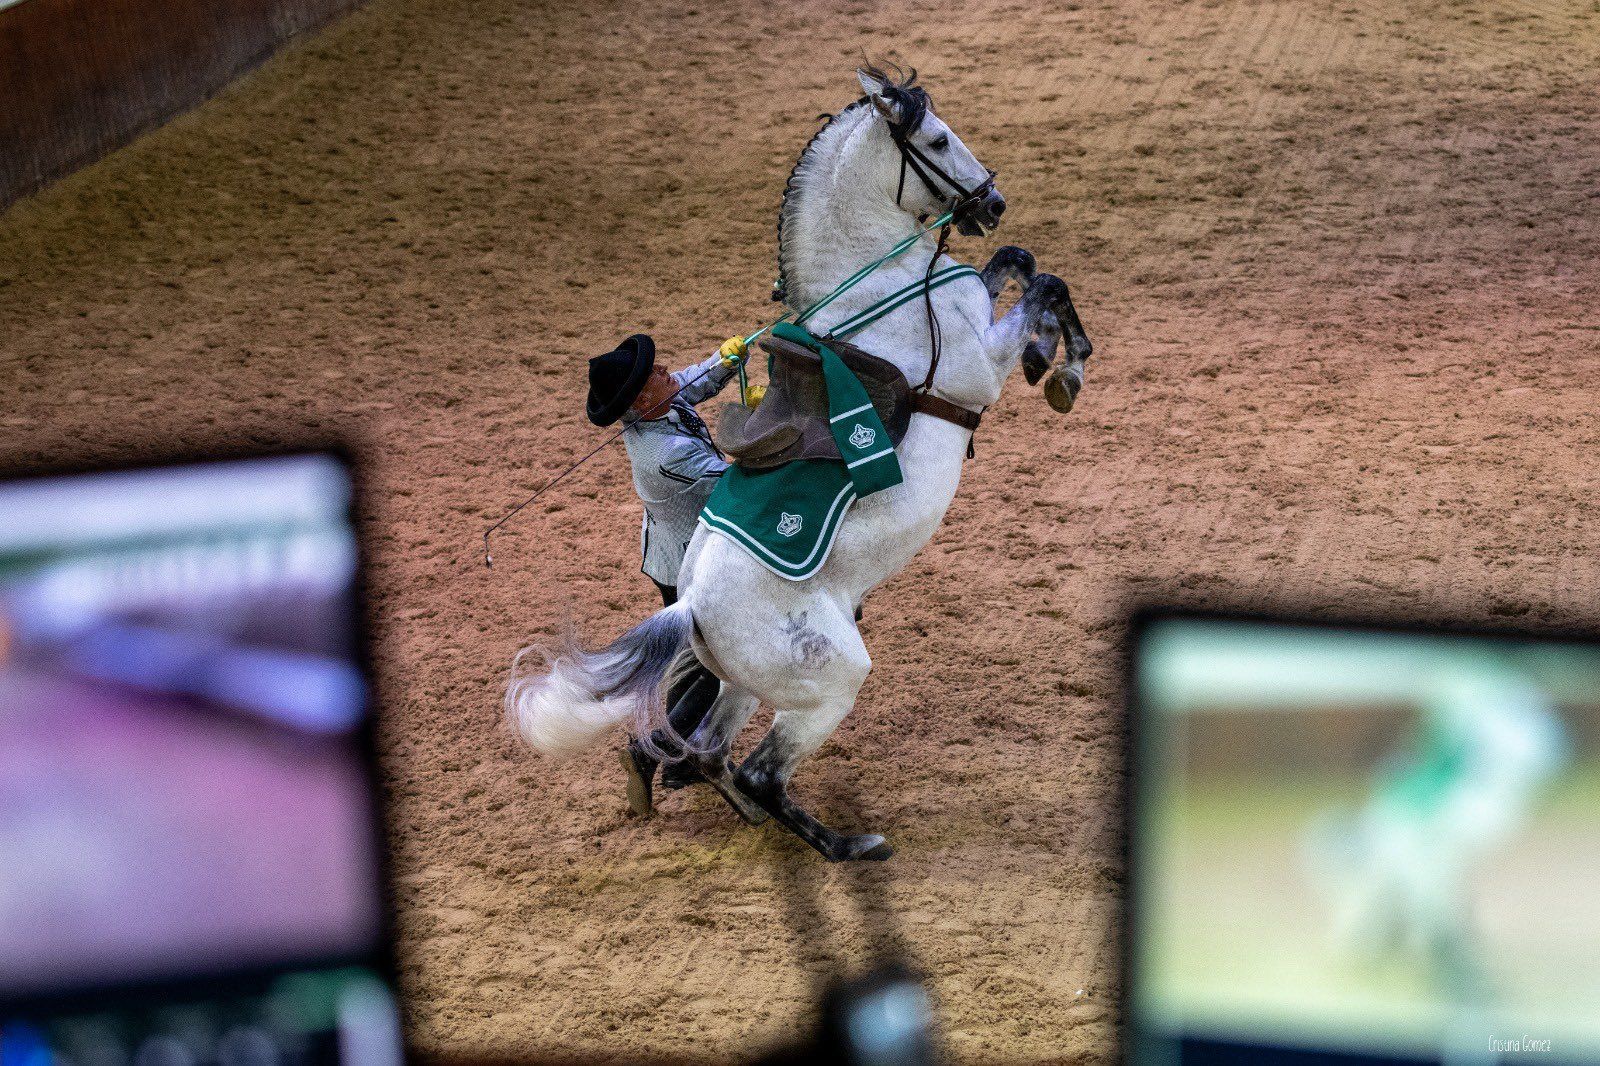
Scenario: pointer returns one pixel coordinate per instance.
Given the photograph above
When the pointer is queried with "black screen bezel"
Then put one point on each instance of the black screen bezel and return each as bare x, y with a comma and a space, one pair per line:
223, 983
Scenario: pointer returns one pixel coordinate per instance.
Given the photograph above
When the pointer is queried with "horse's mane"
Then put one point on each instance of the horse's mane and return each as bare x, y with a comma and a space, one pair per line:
901, 88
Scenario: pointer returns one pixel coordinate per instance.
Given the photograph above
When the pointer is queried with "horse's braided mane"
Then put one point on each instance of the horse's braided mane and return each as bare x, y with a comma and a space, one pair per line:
913, 102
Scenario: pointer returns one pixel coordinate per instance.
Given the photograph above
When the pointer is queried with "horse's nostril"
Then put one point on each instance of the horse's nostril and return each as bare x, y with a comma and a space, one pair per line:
998, 207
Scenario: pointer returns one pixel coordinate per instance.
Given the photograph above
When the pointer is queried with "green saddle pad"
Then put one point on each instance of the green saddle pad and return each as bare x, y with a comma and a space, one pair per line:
787, 517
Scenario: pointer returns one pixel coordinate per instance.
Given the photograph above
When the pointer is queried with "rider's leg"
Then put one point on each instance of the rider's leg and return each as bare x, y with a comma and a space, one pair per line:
637, 762
695, 696
690, 702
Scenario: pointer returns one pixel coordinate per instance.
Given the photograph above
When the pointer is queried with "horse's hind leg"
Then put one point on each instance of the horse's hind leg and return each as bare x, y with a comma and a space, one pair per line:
827, 666
765, 775
711, 743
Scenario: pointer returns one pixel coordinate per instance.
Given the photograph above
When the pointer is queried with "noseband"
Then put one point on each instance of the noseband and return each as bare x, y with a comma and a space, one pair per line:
915, 108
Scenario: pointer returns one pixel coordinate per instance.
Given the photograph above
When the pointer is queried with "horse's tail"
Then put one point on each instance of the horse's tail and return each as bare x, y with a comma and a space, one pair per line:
579, 695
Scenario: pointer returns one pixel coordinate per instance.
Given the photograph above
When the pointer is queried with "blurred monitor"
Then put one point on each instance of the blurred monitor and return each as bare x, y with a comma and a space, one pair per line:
1362, 845
190, 858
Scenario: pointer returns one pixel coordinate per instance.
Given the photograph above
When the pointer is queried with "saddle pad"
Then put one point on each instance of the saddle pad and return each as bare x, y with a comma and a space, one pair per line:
786, 517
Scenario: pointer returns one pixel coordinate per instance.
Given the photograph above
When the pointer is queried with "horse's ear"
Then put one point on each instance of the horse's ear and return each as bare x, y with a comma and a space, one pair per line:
877, 92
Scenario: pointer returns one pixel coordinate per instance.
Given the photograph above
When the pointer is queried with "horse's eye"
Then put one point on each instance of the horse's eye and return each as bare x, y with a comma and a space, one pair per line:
939, 143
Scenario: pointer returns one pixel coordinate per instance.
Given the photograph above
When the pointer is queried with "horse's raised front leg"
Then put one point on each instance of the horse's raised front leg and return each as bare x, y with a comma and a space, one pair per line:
1029, 332
1008, 263
1032, 329
1066, 379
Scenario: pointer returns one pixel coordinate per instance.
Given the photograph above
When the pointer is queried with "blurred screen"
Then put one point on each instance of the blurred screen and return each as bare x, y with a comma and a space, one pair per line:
1363, 845
184, 786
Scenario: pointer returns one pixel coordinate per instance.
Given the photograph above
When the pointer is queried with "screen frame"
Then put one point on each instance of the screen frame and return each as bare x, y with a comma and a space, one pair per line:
1139, 1045
249, 980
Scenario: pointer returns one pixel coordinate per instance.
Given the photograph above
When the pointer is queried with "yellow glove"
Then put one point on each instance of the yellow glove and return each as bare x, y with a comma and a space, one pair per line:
733, 351
754, 395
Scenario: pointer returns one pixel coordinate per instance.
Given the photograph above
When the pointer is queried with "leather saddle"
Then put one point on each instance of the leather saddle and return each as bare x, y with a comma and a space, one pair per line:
792, 420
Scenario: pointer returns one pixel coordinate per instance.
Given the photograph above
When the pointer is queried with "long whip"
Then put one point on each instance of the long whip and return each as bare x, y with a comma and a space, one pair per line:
488, 558
843, 287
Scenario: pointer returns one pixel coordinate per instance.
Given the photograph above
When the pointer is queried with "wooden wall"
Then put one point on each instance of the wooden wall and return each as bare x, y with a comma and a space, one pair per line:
79, 78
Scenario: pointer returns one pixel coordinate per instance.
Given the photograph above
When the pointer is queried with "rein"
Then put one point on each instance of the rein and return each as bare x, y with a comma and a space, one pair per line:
926, 170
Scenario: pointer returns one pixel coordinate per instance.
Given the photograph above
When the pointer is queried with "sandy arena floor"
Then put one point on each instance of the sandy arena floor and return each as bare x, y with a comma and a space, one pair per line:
1341, 267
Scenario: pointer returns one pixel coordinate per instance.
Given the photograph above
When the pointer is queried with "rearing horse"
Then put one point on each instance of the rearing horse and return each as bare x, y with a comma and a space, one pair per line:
794, 645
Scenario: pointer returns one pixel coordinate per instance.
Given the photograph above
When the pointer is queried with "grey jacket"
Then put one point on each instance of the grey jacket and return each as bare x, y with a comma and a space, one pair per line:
675, 467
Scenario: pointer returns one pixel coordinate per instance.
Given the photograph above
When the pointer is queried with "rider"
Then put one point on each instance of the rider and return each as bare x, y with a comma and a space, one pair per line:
675, 467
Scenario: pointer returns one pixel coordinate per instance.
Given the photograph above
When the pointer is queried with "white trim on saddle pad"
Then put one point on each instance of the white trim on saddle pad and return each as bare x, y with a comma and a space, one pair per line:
813, 561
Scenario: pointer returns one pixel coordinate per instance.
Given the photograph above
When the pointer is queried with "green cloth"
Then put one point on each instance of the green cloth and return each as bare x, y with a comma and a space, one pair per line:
858, 431
788, 517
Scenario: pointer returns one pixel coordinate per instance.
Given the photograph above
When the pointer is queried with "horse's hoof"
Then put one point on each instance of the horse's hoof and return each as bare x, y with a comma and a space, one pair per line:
680, 775
640, 776
868, 847
1061, 390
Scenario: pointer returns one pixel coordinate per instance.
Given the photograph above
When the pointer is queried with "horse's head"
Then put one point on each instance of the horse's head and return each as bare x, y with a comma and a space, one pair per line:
920, 163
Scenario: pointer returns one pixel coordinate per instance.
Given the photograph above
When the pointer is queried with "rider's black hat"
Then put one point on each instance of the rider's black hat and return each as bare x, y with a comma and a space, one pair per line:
617, 378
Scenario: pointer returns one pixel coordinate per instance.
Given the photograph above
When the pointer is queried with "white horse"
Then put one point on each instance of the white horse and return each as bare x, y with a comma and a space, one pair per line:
794, 645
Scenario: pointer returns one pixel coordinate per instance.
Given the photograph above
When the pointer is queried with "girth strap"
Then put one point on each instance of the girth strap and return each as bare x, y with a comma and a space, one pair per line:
922, 400
928, 404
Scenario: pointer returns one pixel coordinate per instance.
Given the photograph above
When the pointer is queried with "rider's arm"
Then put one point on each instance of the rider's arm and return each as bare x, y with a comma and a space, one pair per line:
688, 460
705, 379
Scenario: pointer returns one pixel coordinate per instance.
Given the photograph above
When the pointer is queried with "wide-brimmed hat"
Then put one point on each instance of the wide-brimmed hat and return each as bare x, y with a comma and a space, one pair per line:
617, 378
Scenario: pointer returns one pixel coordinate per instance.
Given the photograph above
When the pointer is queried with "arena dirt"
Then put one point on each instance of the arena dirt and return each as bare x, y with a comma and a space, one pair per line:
1340, 265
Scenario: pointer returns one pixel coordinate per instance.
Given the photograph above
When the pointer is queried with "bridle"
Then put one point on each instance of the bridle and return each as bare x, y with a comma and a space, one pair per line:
914, 107
916, 160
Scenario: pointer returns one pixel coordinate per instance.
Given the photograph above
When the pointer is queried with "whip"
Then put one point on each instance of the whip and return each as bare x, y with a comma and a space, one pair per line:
843, 287
488, 558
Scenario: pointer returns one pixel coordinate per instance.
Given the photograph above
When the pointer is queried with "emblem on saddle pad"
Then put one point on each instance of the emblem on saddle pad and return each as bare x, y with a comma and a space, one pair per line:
862, 437
789, 524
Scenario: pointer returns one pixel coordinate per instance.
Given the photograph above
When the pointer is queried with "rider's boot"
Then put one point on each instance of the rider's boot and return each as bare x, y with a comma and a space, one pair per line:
690, 700
640, 766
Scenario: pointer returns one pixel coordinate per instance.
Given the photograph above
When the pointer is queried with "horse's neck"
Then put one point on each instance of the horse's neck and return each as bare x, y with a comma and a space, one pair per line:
839, 225
838, 238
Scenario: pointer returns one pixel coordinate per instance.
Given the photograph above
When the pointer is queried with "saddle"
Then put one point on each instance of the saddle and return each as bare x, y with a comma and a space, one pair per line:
792, 421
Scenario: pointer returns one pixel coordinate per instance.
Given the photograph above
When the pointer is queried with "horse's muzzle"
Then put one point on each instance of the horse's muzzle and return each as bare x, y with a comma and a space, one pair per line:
980, 215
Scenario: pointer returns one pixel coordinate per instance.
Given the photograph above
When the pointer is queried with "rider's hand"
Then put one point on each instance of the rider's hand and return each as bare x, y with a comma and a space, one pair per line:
733, 351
